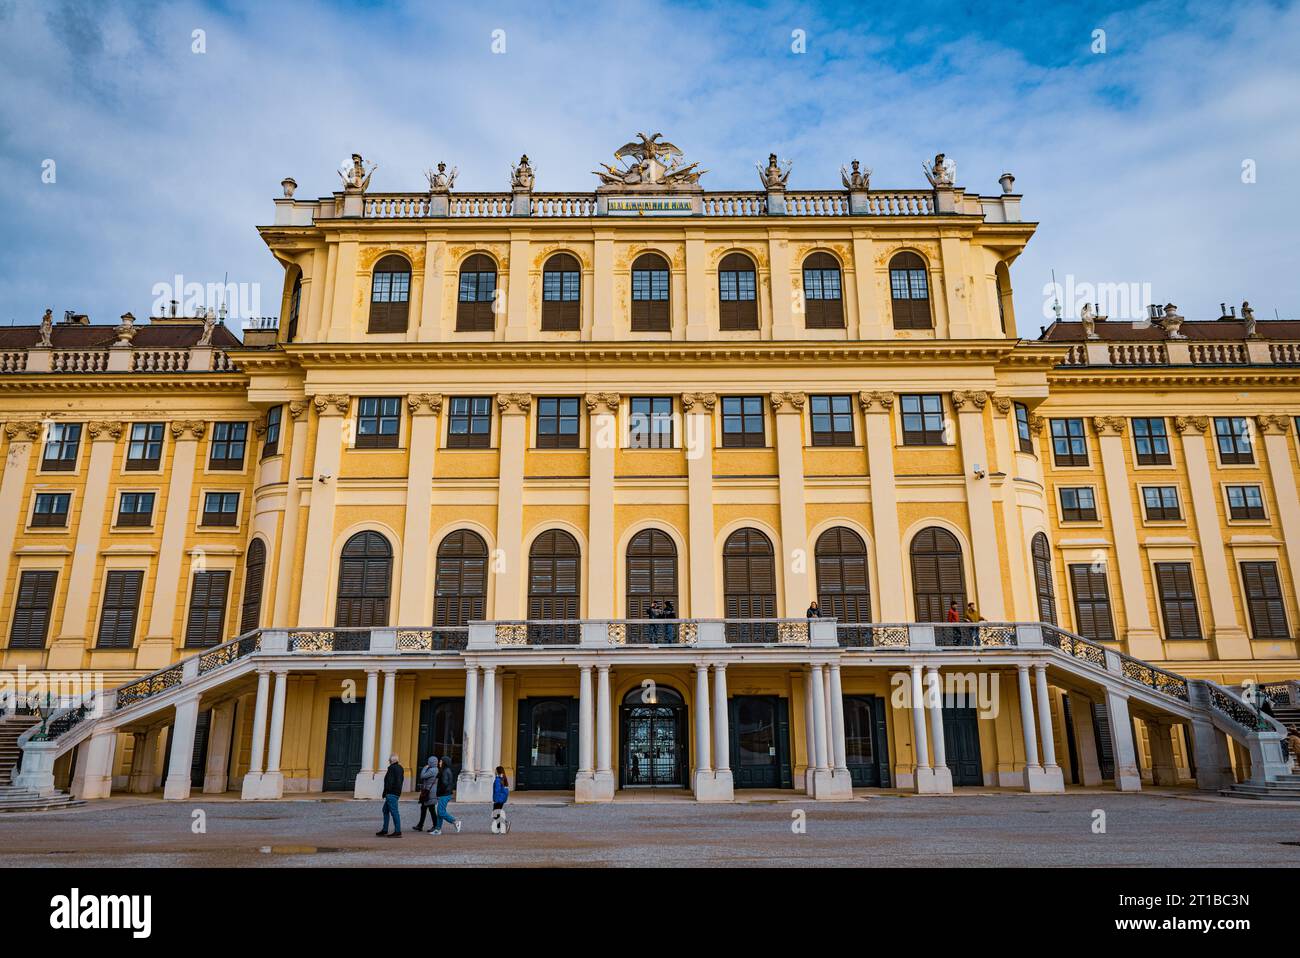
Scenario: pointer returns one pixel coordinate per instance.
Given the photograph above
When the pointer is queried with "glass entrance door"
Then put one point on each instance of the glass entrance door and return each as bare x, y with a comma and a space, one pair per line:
653, 737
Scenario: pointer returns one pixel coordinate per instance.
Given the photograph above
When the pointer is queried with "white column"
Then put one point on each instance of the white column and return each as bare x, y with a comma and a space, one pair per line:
920, 748
253, 780
487, 743
1055, 780
839, 750
819, 717
721, 724
1128, 778
1027, 716
273, 778
216, 772
368, 782
181, 741
809, 728
585, 779
703, 763
697, 423
386, 717
604, 785
934, 705
469, 742
499, 724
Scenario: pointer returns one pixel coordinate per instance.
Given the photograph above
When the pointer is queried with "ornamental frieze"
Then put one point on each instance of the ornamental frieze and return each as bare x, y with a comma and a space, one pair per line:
332, 404
416, 402
109, 430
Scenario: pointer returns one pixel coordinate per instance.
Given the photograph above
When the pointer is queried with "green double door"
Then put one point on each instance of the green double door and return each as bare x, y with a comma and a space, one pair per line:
760, 741
548, 743
344, 733
866, 741
442, 731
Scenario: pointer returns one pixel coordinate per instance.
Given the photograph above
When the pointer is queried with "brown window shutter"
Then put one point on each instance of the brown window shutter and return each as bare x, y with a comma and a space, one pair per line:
33, 609
120, 609
1092, 603
1177, 600
1042, 559
843, 589
254, 575
207, 608
938, 577
365, 582
460, 581
1264, 602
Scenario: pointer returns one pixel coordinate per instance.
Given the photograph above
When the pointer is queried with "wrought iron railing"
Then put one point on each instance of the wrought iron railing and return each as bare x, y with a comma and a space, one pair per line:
1233, 708
1279, 693
1075, 646
874, 636
436, 639
228, 652
1169, 683
329, 640
149, 686
741, 631
975, 635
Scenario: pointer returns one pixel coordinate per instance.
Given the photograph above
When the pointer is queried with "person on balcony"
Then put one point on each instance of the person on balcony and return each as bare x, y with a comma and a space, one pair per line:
972, 613
654, 612
428, 782
446, 783
393, 779
670, 630
814, 610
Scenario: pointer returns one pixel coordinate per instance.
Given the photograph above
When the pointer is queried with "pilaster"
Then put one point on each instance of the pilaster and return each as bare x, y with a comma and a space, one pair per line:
513, 408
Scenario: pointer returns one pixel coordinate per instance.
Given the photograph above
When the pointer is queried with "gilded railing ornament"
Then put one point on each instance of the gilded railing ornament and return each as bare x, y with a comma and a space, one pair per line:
890, 637
706, 400
109, 430
514, 402
688, 632
415, 640
311, 641
194, 427
332, 404
616, 632
416, 402
511, 634
792, 633
796, 401
868, 399
1194, 423
25, 430
596, 400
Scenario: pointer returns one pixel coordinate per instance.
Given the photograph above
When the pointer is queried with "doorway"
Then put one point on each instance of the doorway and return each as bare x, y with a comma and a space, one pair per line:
652, 730
548, 743
344, 734
760, 742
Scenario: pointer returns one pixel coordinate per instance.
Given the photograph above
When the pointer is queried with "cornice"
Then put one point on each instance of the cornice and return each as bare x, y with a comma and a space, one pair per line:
1168, 378
233, 382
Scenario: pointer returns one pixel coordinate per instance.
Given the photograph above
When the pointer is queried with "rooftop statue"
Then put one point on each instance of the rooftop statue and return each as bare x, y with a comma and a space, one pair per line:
1248, 318
774, 176
857, 179
357, 176
521, 176
649, 163
440, 181
1089, 320
47, 329
940, 172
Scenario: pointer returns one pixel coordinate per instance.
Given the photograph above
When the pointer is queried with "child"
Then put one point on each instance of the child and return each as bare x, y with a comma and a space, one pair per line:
500, 794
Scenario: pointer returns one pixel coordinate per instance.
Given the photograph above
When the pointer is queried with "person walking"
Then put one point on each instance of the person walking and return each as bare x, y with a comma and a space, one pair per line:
428, 782
500, 795
446, 784
393, 779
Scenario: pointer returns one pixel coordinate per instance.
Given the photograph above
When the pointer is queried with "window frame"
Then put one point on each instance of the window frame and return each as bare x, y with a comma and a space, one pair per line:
48, 523
904, 310
1024, 434
1241, 440
654, 422
1163, 506
1070, 459
210, 519
925, 436
25, 612
228, 463
1081, 511
1278, 602
62, 462
744, 438
822, 311
739, 313
1250, 509
469, 439
834, 437
552, 410
562, 312
153, 434
651, 313
1182, 605
477, 314
390, 314
1152, 457
118, 514
386, 409
271, 438
131, 612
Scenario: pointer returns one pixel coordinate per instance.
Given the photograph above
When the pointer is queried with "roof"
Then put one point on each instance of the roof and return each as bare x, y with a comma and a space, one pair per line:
171, 334
1213, 330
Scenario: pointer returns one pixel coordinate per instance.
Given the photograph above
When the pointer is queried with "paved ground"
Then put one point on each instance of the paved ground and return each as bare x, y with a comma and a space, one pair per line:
1166, 828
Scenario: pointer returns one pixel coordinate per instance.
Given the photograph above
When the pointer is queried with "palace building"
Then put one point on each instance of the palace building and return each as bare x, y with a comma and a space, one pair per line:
551, 480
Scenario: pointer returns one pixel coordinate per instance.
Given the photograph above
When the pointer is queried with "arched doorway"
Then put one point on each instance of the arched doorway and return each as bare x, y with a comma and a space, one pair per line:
937, 576
651, 577
365, 582
553, 588
843, 587
749, 585
1046, 592
652, 730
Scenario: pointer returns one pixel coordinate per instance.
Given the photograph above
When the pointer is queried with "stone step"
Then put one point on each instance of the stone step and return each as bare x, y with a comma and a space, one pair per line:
1284, 799
41, 805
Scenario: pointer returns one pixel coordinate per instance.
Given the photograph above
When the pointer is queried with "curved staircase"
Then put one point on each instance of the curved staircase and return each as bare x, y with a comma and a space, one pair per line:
14, 798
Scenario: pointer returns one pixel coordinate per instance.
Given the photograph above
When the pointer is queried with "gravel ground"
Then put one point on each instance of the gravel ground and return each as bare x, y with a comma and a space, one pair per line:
1153, 828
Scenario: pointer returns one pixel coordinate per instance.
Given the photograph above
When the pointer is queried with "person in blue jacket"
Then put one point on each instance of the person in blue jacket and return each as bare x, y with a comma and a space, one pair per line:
500, 795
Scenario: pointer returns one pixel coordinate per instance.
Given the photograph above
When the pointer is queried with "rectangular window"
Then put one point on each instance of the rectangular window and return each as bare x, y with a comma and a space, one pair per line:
469, 424
558, 420
391, 287
908, 284
1264, 605
652, 422
221, 509
832, 420
378, 422
1161, 503
135, 509
1078, 504
1232, 434
203, 626
121, 608
561, 287
736, 286
1151, 442
1069, 447
228, 442
742, 422
1178, 600
144, 450
271, 444
1023, 433
61, 443
1245, 502
922, 420
51, 510
650, 284
32, 611
1092, 602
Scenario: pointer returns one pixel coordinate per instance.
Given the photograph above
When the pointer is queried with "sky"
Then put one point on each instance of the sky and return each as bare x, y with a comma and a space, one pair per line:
1157, 144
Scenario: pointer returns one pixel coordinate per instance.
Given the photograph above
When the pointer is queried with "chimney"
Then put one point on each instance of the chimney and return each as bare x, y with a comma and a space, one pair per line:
73, 318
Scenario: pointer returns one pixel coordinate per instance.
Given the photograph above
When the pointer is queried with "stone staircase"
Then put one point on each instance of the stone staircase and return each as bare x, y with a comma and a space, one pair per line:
13, 798
1286, 788
12, 726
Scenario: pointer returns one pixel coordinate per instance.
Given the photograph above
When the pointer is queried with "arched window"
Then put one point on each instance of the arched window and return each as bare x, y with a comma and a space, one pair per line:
822, 292
460, 580
254, 574
554, 566
843, 587
909, 288
937, 577
651, 575
1042, 556
650, 304
1003, 279
749, 585
295, 306
390, 295
737, 293
477, 296
365, 582
562, 293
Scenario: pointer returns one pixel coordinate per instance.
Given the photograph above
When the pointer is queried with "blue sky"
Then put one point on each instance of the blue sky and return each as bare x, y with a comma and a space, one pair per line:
165, 159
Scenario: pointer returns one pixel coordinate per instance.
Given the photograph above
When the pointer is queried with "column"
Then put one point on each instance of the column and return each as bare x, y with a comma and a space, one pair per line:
872, 323
604, 784
469, 741
415, 597
819, 719
273, 778
922, 771
1033, 770
721, 728
510, 503
1164, 770
1024, 605
386, 718
430, 328
69, 647
1128, 778
809, 728
144, 755
181, 741
879, 431
934, 705
787, 410
842, 786
331, 409
698, 287
602, 441
785, 324
586, 746
253, 779
499, 724
1085, 740
488, 738
1053, 779
286, 550
13, 482
986, 556
93, 777
1275, 430
697, 419
703, 767
369, 783
216, 774
1141, 637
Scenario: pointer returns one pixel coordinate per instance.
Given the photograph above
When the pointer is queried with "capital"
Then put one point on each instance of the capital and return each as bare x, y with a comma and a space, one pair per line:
188, 428
975, 397
25, 430
596, 400
1109, 425
1194, 423
332, 404
105, 430
418, 402
297, 408
514, 403
706, 400
1275, 424
795, 400
1002, 404
869, 399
